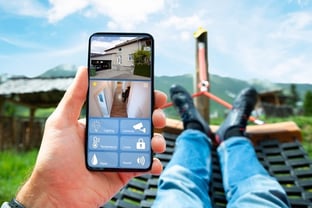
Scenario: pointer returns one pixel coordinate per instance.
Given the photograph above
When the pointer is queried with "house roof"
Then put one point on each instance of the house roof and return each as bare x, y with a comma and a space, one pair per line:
35, 92
32, 85
275, 97
127, 42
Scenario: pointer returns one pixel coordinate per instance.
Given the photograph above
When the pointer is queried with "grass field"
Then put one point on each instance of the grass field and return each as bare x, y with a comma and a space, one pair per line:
16, 166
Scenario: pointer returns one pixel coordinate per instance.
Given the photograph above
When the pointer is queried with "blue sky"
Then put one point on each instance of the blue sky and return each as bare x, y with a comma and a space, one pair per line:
267, 40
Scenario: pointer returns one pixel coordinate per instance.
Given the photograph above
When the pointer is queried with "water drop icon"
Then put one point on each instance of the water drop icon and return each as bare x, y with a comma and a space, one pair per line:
94, 160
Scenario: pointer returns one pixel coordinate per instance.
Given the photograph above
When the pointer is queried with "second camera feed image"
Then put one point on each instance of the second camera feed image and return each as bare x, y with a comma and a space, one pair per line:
128, 99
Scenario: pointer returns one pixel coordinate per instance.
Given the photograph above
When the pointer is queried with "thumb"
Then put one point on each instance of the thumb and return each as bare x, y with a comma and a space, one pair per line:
69, 108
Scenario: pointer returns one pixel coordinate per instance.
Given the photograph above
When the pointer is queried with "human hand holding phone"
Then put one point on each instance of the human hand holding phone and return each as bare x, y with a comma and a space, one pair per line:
60, 178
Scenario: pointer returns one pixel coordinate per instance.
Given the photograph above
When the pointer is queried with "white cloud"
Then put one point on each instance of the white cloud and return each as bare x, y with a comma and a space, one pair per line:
293, 69
174, 30
182, 23
25, 7
124, 14
295, 26
19, 42
260, 41
245, 38
98, 46
34, 62
60, 9
37, 62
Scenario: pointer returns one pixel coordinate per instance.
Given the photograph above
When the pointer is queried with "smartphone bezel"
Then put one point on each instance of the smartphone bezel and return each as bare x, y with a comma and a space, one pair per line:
124, 34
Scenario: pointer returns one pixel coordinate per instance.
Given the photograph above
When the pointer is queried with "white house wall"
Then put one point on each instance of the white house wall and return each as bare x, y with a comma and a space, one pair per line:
125, 51
107, 89
139, 104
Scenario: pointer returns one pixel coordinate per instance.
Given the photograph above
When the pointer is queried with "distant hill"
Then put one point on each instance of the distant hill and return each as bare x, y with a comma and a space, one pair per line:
64, 70
224, 87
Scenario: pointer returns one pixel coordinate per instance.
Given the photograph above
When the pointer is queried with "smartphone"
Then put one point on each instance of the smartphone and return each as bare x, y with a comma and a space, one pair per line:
120, 102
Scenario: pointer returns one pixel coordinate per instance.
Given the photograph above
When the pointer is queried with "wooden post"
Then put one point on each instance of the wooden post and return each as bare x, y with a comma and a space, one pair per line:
31, 138
201, 71
2, 99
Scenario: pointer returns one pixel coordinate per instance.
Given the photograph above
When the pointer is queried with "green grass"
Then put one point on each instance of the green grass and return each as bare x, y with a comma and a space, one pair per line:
305, 125
15, 167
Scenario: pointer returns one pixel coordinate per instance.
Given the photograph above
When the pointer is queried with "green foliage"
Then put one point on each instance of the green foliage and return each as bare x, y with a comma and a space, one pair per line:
141, 61
142, 70
294, 95
44, 112
15, 168
11, 109
142, 57
307, 104
92, 72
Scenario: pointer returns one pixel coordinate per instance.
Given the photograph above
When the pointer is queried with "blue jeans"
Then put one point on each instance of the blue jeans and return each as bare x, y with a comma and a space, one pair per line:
185, 180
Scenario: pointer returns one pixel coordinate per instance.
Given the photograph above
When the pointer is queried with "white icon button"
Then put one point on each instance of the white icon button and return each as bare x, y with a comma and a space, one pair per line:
140, 145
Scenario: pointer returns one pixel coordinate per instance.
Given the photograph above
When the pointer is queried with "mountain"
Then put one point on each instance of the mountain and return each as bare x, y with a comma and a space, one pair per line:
224, 87
63, 70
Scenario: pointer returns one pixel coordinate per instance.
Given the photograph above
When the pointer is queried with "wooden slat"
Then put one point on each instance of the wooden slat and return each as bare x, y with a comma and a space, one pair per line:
284, 131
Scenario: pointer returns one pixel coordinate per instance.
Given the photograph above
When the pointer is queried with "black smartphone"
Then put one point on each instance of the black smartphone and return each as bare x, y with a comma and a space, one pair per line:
120, 102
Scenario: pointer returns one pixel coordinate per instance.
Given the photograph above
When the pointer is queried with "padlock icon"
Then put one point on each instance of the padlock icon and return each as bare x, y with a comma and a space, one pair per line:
140, 145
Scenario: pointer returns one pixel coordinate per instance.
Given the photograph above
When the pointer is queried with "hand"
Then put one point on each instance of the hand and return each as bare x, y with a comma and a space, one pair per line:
60, 177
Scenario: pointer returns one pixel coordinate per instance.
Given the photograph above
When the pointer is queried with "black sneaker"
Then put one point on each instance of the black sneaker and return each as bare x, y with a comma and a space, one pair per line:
236, 121
183, 102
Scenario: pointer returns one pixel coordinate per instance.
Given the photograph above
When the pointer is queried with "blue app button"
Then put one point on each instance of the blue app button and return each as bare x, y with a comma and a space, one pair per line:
103, 142
135, 143
135, 160
103, 126
135, 126
103, 159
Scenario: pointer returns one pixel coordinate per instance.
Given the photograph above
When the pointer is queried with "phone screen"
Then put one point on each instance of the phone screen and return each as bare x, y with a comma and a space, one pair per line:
120, 101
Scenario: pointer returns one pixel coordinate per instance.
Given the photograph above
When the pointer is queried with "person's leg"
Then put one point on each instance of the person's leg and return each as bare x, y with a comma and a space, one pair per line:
245, 181
185, 180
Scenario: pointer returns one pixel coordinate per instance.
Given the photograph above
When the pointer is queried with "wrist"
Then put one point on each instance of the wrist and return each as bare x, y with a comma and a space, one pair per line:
33, 193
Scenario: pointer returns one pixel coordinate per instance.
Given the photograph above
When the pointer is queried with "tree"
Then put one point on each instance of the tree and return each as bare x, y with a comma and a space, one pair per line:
307, 104
142, 65
141, 57
294, 95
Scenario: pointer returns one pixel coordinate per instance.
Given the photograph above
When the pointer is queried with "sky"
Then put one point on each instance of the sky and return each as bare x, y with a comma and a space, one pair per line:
266, 40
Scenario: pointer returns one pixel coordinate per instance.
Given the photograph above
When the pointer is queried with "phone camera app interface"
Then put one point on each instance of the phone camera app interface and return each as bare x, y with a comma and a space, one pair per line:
119, 105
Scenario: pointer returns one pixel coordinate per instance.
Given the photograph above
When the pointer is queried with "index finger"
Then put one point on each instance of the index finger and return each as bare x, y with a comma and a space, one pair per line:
160, 98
